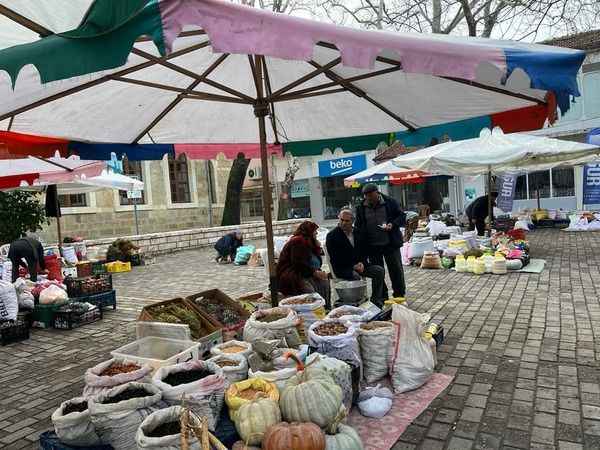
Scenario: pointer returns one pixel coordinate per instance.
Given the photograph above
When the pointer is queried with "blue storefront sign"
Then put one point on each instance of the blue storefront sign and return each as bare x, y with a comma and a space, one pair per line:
591, 184
342, 166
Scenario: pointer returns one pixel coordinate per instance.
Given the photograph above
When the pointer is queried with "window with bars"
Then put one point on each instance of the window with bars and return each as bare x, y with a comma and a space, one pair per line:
132, 168
73, 201
563, 182
539, 182
179, 180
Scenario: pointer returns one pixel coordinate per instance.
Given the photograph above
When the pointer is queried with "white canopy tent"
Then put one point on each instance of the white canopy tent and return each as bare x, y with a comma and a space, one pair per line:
496, 152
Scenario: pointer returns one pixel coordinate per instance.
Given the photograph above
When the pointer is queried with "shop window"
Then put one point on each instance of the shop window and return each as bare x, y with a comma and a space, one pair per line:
132, 168
337, 196
179, 179
563, 182
539, 182
251, 204
73, 201
521, 188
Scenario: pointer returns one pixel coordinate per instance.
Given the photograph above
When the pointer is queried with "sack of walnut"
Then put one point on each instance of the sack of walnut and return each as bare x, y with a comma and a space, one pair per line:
336, 338
375, 339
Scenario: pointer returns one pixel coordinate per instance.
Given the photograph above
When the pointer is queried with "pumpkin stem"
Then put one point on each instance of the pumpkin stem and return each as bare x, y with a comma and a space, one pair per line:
341, 415
299, 364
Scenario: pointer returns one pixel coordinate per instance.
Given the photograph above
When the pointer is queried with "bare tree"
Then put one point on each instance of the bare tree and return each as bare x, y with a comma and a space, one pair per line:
512, 19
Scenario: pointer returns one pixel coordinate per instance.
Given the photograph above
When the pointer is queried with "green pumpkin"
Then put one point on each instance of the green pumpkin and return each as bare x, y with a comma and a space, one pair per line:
253, 419
311, 396
346, 438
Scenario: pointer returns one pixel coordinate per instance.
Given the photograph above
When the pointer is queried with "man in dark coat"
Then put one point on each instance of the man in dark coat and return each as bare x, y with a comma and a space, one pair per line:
28, 249
378, 222
228, 245
348, 262
478, 210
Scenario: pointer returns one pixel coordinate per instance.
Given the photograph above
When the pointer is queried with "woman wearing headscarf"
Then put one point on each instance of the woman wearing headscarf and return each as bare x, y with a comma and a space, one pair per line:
299, 266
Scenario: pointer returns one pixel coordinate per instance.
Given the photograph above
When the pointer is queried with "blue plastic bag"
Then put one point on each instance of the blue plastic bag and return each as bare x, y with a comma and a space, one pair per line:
243, 254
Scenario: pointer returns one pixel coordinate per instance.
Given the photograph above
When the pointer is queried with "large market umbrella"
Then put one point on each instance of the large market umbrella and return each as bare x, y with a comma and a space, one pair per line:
106, 81
386, 172
496, 152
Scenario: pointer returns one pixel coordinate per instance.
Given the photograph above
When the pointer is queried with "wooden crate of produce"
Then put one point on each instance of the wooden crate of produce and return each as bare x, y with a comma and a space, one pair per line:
204, 328
230, 315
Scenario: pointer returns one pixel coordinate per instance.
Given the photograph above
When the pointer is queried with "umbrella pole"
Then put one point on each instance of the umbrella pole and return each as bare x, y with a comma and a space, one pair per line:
261, 110
489, 183
58, 230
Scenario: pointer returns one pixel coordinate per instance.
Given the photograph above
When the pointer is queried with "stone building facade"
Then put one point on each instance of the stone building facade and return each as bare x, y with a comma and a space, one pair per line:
176, 197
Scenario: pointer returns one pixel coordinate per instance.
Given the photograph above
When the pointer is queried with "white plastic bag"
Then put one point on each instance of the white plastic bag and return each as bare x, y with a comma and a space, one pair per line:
220, 349
279, 377
24, 295
205, 396
412, 360
53, 295
418, 246
95, 383
170, 442
235, 373
340, 371
436, 227
343, 346
75, 428
310, 307
375, 401
9, 305
117, 423
349, 313
376, 344
255, 330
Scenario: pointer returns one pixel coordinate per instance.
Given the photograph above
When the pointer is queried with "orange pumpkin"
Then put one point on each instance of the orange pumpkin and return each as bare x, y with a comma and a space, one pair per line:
294, 436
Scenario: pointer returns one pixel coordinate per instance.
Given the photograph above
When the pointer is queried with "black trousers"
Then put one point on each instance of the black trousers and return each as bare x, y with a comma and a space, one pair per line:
477, 223
18, 251
393, 261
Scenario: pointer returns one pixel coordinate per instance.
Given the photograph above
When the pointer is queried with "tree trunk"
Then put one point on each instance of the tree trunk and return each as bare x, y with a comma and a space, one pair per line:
237, 175
284, 203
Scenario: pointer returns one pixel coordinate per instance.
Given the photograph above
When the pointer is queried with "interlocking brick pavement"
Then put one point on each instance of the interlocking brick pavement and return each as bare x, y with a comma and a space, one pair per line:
524, 349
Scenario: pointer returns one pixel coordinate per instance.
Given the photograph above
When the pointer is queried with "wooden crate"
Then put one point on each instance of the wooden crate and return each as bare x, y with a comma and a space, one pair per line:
231, 331
215, 332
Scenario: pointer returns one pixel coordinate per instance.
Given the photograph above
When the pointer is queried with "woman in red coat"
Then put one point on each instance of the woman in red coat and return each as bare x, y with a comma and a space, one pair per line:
299, 266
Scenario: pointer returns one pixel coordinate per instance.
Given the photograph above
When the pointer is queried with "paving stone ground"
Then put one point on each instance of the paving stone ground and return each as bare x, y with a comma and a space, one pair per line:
523, 348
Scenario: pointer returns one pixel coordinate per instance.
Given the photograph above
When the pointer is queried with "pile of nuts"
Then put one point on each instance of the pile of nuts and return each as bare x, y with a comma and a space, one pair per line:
331, 329
117, 368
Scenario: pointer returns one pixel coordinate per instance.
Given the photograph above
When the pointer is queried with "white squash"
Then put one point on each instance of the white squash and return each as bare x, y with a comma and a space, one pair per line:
253, 419
346, 438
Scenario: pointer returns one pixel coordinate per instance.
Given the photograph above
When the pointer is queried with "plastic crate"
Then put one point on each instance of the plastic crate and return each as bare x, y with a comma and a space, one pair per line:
14, 331
84, 269
118, 267
43, 315
83, 287
67, 319
102, 300
98, 268
49, 441
158, 352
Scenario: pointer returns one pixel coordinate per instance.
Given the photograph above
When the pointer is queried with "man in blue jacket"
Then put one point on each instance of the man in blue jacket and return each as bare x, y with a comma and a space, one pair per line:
348, 262
227, 247
378, 222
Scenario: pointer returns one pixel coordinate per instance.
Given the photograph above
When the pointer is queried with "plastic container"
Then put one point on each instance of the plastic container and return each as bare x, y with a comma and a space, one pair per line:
479, 266
82, 287
43, 315
67, 319
460, 263
15, 331
176, 331
158, 352
499, 266
103, 300
118, 267
471, 263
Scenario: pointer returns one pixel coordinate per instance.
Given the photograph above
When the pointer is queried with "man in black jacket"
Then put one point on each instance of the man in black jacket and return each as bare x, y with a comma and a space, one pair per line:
227, 247
347, 261
29, 249
478, 210
378, 222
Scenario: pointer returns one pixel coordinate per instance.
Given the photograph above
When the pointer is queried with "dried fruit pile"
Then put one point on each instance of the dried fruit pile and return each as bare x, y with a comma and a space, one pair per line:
299, 301
165, 429
117, 368
339, 314
177, 314
233, 349
127, 394
220, 311
331, 329
74, 407
250, 393
177, 378
271, 317
226, 363
375, 325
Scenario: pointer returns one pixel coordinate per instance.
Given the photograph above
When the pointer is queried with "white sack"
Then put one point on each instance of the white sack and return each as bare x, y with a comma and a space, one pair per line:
53, 295
343, 346
375, 402
9, 305
412, 360
97, 384
233, 374
350, 313
75, 428
376, 349
309, 312
255, 330
171, 442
